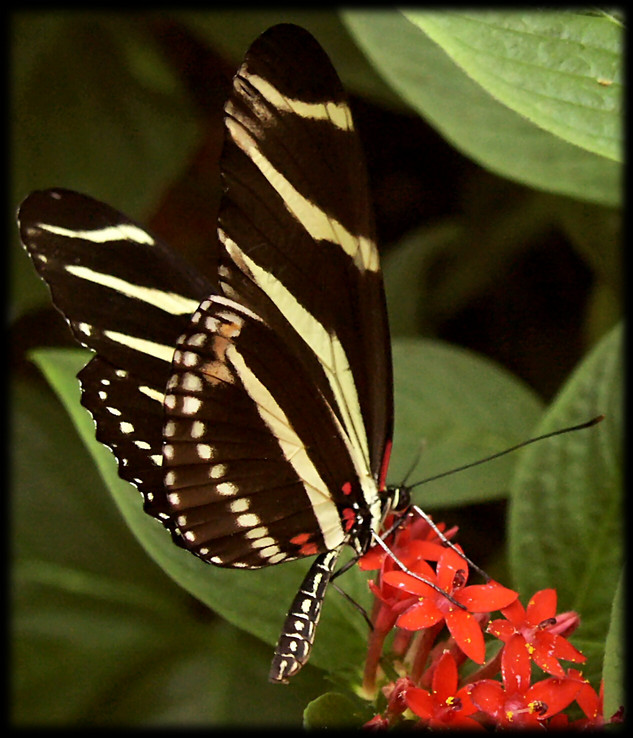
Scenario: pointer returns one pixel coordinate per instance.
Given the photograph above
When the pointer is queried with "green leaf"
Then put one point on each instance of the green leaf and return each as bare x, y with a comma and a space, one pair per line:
331, 710
614, 656
462, 407
475, 122
405, 271
566, 518
61, 505
87, 605
560, 70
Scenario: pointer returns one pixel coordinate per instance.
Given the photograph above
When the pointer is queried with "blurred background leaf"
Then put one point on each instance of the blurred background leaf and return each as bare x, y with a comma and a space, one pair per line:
461, 407
417, 53
566, 513
562, 71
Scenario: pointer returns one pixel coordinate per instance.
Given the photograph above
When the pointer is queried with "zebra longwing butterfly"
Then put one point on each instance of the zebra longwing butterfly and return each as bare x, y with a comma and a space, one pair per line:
254, 415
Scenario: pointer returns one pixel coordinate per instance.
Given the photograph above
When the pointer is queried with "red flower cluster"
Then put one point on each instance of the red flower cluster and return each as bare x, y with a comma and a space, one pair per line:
425, 602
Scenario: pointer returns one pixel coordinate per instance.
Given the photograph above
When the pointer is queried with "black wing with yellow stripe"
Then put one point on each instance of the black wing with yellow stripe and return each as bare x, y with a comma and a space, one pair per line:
255, 417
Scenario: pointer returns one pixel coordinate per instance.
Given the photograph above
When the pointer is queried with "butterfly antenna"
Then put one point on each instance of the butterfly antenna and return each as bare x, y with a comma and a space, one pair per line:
437, 531
416, 461
560, 431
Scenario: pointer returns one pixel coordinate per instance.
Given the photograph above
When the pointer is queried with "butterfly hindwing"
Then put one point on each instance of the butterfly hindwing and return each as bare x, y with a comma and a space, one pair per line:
255, 467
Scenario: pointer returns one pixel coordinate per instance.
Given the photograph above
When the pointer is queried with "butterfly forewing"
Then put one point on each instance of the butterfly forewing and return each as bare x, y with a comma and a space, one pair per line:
128, 297
125, 295
298, 232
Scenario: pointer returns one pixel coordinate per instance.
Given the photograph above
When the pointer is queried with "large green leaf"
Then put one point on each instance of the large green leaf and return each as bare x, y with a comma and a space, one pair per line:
560, 70
566, 516
88, 607
615, 654
480, 125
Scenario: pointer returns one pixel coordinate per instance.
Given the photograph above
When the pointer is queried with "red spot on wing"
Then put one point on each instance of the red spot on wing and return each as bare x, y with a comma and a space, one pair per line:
347, 488
349, 518
385, 466
300, 539
306, 546
309, 549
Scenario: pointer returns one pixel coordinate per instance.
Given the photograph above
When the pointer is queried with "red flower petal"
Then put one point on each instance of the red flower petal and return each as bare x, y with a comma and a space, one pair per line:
486, 597
549, 664
515, 613
588, 699
424, 550
445, 677
449, 564
515, 665
501, 629
420, 701
402, 580
556, 694
455, 721
372, 559
563, 649
420, 615
488, 696
547, 648
542, 651
466, 631
541, 607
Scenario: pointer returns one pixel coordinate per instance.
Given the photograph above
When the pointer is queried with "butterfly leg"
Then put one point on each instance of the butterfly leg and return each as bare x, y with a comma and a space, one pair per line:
296, 639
